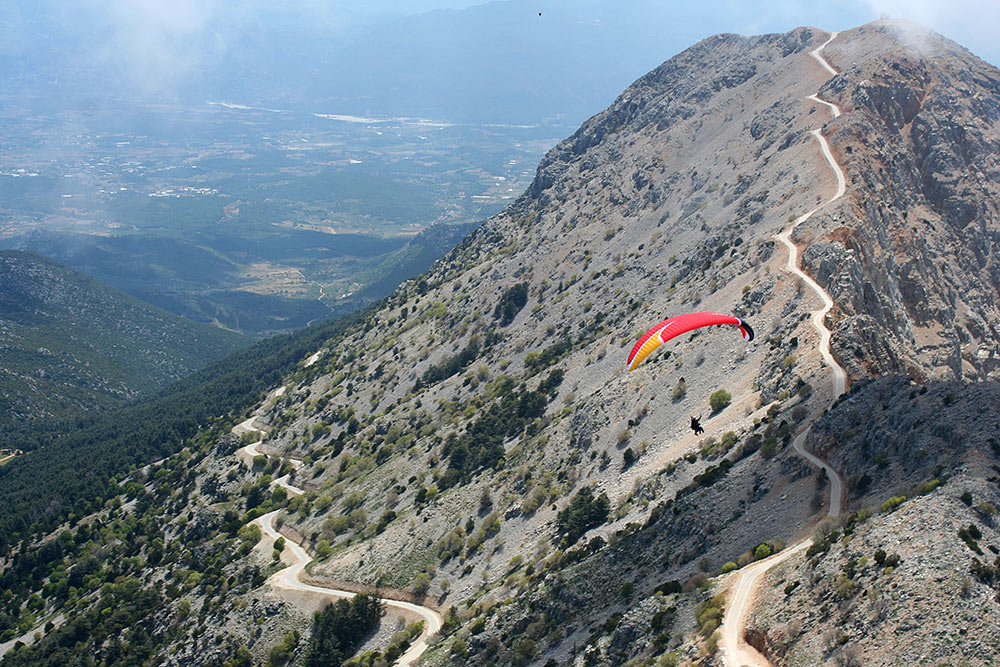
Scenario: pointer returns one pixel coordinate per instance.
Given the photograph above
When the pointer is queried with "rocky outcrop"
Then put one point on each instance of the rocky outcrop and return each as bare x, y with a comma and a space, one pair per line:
912, 261
903, 579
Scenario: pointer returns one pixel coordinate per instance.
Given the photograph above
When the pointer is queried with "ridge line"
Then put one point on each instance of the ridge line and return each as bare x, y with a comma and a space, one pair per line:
735, 650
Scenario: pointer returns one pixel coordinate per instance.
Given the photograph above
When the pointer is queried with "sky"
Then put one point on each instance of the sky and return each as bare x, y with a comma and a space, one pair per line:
971, 23
160, 47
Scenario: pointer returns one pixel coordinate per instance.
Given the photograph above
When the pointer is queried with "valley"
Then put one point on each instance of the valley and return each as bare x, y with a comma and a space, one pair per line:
253, 220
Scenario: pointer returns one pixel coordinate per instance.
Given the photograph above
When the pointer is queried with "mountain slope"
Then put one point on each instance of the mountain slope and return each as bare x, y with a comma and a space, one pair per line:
913, 571
476, 440
666, 202
911, 259
71, 344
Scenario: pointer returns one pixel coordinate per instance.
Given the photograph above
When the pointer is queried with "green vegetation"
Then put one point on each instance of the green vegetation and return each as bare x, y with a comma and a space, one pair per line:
398, 644
282, 652
340, 628
709, 614
891, 504
74, 474
719, 400
481, 445
451, 365
971, 536
537, 361
122, 612
583, 513
92, 574
72, 344
511, 302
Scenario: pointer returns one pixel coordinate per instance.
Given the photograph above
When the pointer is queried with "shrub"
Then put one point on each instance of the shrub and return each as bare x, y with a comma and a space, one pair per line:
729, 567
422, 583
534, 500
281, 653
719, 400
324, 549
249, 533
583, 513
709, 614
845, 587
769, 447
891, 504
629, 457
452, 365
511, 302
928, 486
386, 518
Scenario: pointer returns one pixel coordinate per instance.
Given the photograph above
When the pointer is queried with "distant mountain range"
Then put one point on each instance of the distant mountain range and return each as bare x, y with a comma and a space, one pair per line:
497, 62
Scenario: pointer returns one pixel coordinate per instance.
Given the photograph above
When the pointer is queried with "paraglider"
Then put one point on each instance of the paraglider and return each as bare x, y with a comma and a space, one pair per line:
696, 425
677, 325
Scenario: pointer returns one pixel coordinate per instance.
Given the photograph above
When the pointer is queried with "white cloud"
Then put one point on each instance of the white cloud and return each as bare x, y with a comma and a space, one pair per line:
971, 23
154, 43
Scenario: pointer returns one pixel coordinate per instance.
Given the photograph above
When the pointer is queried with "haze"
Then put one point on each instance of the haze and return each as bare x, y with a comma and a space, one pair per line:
521, 61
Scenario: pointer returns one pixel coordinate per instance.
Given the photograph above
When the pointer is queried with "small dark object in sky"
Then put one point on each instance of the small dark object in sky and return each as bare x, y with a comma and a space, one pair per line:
539, 13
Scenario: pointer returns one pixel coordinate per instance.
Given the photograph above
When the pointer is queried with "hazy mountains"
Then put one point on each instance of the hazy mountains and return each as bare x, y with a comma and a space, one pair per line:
71, 344
498, 62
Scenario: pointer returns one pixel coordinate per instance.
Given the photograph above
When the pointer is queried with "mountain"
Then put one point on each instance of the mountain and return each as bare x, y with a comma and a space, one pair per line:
473, 443
72, 344
203, 277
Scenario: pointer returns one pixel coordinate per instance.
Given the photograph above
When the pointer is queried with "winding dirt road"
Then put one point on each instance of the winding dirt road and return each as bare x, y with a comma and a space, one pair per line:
735, 652
297, 559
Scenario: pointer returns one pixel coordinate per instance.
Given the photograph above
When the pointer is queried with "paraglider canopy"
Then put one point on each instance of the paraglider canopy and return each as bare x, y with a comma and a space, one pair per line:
675, 326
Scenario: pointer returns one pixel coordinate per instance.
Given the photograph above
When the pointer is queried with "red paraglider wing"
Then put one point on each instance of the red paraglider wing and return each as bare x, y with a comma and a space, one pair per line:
675, 326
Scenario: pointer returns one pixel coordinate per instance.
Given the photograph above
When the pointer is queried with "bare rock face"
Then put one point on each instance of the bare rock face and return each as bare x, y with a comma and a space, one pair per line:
912, 261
